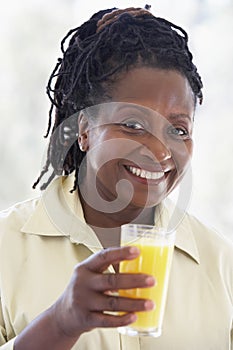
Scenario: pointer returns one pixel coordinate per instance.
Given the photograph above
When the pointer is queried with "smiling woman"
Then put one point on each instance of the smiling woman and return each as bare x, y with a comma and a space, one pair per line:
123, 98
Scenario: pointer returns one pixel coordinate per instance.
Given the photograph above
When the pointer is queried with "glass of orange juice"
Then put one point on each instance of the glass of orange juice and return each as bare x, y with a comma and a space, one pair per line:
156, 249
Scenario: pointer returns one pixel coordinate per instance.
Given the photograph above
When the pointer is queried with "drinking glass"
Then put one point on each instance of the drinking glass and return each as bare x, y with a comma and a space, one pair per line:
156, 247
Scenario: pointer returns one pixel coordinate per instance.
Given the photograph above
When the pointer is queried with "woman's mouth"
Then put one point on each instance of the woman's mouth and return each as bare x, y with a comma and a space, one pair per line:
145, 174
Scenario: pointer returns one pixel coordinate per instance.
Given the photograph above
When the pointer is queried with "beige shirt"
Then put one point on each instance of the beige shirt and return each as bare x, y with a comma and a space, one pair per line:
41, 241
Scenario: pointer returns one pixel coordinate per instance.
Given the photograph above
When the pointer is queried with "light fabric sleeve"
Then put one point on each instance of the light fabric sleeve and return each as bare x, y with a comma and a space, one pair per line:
3, 345
2, 327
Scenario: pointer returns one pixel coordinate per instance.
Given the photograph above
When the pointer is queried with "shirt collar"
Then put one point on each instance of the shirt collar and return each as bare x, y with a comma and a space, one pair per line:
59, 213
169, 215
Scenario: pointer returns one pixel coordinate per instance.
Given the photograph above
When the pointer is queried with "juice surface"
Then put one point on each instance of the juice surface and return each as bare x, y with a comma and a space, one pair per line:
156, 261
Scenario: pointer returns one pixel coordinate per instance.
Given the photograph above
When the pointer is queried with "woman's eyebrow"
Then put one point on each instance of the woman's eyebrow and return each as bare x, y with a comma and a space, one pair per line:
149, 111
136, 107
174, 116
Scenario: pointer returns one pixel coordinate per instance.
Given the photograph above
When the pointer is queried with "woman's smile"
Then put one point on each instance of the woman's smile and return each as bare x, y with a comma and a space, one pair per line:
145, 174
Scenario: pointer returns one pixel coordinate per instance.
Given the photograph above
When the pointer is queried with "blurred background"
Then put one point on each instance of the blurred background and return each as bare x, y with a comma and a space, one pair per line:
30, 35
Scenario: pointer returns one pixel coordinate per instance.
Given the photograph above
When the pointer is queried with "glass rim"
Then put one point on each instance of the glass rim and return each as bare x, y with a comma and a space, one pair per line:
149, 228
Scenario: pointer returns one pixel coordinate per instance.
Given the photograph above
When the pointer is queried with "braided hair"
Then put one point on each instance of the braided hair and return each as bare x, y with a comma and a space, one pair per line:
97, 53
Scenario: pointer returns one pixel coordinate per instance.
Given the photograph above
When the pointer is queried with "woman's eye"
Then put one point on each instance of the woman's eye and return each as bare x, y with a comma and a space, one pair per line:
134, 125
178, 132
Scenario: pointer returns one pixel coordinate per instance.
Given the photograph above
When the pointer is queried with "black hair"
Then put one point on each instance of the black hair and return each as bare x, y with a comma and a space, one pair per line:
91, 64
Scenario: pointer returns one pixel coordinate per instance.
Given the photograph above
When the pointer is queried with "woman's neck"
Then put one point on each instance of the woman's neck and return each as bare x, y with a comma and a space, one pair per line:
107, 225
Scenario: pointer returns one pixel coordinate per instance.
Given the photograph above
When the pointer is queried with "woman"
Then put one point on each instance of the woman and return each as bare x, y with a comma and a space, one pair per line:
124, 98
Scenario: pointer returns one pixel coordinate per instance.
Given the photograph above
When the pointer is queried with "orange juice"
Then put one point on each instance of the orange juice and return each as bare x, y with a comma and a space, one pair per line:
154, 260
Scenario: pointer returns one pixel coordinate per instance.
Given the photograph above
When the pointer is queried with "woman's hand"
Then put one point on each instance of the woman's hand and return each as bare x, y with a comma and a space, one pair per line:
81, 307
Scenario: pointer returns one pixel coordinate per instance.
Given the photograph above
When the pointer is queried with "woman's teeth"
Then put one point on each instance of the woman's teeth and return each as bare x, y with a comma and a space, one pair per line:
146, 174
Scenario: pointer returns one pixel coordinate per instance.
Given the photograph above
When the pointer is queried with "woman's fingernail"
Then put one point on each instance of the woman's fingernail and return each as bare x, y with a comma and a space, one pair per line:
133, 318
149, 305
150, 281
134, 250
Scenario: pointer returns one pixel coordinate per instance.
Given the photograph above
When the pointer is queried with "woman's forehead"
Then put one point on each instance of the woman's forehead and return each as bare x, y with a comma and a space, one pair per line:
147, 92
150, 82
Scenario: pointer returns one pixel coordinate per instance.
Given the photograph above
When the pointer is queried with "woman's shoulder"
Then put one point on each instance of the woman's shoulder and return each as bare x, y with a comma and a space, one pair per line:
14, 217
210, 244
208, 235
202, 232
215, 249
18, 214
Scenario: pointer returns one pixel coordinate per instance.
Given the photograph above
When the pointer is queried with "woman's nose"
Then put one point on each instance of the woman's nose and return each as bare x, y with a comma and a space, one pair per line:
156, 148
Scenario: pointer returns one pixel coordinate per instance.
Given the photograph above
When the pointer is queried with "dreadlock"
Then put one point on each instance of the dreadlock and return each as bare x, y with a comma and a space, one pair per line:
98, 51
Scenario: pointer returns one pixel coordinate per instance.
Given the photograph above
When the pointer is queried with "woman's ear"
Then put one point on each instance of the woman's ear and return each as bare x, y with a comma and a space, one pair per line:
83, 139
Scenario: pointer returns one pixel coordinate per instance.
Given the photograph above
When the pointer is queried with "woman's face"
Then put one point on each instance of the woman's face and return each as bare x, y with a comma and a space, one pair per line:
144, 139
